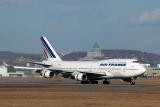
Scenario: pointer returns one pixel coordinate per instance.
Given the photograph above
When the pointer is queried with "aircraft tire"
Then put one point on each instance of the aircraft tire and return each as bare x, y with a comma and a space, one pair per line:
106, 82
94, 82
132, 83
84, 82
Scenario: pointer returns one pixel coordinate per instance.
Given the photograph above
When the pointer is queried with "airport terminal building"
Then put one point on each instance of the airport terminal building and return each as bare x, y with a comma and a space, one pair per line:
13, 71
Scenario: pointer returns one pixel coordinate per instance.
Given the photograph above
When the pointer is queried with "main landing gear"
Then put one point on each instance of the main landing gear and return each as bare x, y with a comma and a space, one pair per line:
89, 82
95, 82
106, 81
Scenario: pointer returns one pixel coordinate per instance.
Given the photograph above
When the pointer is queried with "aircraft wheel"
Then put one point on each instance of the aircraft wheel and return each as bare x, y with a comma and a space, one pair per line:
132, 83
106, 82
84, 82
94, 82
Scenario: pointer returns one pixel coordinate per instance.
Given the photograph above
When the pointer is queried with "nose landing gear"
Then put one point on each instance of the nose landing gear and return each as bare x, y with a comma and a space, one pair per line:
132, 82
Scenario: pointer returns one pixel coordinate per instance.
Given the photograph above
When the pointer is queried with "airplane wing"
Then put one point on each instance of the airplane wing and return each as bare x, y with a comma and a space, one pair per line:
49, 67
87, 73
92, 74
39, 63
28, 68
34, 69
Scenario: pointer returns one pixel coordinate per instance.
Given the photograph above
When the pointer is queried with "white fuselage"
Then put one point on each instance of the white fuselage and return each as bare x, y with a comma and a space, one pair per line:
111, 68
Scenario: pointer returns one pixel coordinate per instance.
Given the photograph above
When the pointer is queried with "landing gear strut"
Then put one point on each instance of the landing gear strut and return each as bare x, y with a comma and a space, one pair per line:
106, 81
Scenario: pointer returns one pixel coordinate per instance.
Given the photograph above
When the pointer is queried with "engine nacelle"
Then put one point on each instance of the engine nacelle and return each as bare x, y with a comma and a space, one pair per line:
80, 77
48, 74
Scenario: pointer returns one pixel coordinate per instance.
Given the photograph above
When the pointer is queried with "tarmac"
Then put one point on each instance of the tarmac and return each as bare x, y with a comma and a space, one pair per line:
43, 92
116, 84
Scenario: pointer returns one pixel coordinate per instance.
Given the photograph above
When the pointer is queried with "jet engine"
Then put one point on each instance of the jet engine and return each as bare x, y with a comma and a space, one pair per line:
47, 74
80, 77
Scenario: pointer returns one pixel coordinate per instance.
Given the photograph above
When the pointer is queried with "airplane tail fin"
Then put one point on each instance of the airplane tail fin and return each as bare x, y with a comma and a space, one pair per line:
49, 51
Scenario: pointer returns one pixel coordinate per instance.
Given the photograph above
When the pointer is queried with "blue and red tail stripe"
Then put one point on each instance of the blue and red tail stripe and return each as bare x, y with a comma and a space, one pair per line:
45, 54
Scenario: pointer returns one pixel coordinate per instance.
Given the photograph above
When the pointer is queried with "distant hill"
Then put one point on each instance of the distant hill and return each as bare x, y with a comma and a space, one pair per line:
12, 58
74, 56
143, 57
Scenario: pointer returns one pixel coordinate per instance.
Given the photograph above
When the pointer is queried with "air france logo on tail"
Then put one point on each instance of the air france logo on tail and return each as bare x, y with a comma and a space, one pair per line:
45, 54
47, 48
49, 52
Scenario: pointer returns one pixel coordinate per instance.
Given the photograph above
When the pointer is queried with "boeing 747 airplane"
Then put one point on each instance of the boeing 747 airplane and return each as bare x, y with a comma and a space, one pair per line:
89, 72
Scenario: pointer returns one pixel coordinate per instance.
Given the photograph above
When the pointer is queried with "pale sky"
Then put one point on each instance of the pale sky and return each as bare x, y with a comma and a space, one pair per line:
77, 24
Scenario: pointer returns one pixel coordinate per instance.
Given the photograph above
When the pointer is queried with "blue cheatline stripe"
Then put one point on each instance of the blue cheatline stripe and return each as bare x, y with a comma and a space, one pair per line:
47, 47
